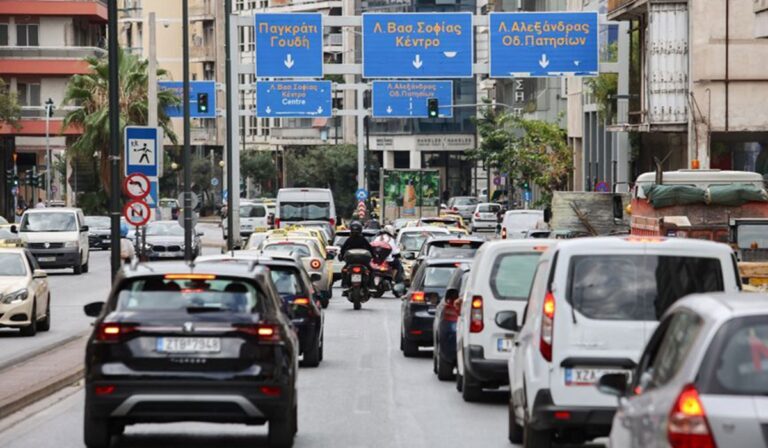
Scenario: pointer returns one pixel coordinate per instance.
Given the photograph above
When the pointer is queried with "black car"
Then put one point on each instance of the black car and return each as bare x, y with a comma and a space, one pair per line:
417, 310
447, 246
301, 302
444, 329
176, 342
99, 233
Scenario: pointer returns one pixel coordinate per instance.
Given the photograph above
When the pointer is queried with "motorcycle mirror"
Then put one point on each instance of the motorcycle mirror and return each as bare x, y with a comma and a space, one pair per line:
398, 289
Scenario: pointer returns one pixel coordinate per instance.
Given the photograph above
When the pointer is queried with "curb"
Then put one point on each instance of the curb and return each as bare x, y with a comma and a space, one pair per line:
39, 351
34, 395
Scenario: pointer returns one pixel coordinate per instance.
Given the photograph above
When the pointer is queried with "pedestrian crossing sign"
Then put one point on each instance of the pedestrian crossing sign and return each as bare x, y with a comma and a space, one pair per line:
142, 150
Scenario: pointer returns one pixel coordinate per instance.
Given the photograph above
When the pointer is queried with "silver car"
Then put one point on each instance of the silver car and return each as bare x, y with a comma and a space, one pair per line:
463, 205
702, 380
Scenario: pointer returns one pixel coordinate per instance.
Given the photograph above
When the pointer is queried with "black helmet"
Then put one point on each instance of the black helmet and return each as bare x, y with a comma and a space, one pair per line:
355, 228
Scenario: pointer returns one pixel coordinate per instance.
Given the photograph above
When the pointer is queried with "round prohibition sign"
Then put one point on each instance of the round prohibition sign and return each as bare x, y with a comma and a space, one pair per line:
136, 186
137, 213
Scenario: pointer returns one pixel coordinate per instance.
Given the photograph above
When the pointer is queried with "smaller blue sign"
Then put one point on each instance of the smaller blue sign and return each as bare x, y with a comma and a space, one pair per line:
215, 182
152, 198
408, 99
202, 98
293, 99
361, 194
527, 195
543, 44
142, 150
289, 45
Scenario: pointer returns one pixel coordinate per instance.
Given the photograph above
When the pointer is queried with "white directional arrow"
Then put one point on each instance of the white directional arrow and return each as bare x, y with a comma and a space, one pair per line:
410, 106
389, 109
417, 62
544, 62
268, 110
576, 63
320, 109
288, 61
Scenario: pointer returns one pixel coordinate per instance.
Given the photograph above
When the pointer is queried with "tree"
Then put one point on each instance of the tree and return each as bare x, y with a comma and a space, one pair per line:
10, 111
259, 166
91, 93
328, 166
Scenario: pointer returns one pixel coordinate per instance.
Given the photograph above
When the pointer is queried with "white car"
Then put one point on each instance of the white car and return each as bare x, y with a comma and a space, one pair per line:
25, 299
485, 216
253, 218
497, 288
57, 237
517, 223
593, 305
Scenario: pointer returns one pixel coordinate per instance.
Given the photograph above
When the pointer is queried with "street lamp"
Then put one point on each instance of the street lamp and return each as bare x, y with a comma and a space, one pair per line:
48, 114
175, 168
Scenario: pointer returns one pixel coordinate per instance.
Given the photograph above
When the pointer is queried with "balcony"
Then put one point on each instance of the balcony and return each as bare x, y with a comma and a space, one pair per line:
51, 52
202, 53
626, 9
95, 10
303, 5
201, 10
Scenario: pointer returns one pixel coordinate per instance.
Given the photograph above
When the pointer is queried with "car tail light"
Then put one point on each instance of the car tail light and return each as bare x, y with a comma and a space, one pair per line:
113, 332
104, 390
315, 264
277, 222
476, 315
477, 214
503, 233
547, 326
268, 333
271, 391
332, 222
417, 297
357, 269
687, 425
302, 301
451, 311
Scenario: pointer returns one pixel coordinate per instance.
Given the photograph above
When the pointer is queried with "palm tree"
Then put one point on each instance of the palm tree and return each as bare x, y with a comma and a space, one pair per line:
91, 93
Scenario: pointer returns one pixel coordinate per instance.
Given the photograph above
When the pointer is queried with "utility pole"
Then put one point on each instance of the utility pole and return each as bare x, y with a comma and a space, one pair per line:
48, 173
114, 136
231, 87
186, 156
152, 78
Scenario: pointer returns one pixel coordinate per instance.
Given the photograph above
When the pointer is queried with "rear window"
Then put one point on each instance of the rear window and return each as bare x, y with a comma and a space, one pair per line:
438, 276
449, 249
637, 287
512, 275
287, 282
488, 208
465, 201
737, 363
190, 295
412, 241
253, 211
304, 211
299, 249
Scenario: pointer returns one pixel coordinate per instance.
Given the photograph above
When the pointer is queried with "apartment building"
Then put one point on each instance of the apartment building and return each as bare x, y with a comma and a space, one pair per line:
697, 83
42, 44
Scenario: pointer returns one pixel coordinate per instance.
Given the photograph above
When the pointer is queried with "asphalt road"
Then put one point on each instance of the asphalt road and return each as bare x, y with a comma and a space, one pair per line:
364, 394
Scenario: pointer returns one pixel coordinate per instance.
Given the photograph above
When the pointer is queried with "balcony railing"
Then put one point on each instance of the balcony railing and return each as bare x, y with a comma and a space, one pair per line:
51, 52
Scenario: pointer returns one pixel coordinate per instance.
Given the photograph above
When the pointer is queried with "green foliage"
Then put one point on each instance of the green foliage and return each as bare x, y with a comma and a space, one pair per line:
91, 93
259, 166
10, 111
329, 166
605, 87
94, 202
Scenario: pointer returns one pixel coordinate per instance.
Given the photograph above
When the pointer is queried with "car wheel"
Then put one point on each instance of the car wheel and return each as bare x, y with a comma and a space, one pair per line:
459, 382
410, 348
96, 431
471, 390
85, 266
536, 439
515, 431
78, 268
45, 324
282, 429
322, 346
312, 354
31, 329
434, 358
444, 369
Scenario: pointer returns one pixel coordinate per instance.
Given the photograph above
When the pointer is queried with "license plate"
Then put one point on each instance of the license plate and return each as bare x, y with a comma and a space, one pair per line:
165, 254
587, 376
504, 344
357, 278
46, 259
188, 345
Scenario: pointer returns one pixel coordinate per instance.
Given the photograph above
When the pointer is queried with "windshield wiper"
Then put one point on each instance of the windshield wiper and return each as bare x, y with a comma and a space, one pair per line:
204, 309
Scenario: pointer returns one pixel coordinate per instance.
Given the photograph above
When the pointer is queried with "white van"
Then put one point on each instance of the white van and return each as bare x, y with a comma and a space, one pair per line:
304, 204
57, 237
517, 223
593, 306
253, 218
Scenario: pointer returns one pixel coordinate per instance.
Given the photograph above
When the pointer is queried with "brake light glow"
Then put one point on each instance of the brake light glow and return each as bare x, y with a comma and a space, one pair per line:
113, 332
270, 391
547, 326
562, 415
190, 277
417, 296
104, 390
645, 239
357, 269
303, 301
315, 264
268, 333
476, 315
687, 425
458, 242
277, 222
540, 248
332, 222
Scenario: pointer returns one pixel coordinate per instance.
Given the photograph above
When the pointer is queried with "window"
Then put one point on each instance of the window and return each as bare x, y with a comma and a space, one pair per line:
674, 348
29, 94
26, 35
12, 265
438, 276
252, 211
304, 211
637, 287
209, 295
512, 275
3, 34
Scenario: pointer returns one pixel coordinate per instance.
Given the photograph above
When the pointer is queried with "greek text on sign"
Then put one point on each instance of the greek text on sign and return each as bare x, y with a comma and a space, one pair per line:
534, 44
408, 99
293, 99
289, 45
417, 45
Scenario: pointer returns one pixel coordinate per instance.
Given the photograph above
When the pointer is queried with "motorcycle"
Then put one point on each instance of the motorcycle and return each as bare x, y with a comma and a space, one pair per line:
356, 276
383, 273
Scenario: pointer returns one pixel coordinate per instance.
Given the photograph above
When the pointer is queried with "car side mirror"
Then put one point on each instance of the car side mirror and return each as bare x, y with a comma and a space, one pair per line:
507, 320
398, 290
315, 277
613, 384
199, 234
409, 256
14, 229
84, 228
39, 273
94, 309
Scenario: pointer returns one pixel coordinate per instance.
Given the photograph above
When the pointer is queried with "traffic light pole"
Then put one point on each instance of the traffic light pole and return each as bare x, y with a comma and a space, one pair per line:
114, 137
231, 120
185, 155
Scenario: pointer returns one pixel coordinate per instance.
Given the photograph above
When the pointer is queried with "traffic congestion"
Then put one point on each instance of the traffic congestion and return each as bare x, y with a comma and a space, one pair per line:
568, 339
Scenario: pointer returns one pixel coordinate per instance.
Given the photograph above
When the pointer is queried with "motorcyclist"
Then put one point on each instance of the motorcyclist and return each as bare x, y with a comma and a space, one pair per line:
356, 240
387, 235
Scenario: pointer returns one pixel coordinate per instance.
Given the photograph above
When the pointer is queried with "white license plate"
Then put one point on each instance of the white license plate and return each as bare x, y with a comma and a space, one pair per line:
46, 259
505, 344
357, 277
587, 376
166, 254
188, 345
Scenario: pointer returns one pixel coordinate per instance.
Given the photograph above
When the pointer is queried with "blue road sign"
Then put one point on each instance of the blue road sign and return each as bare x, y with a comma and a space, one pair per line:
289, 45
297, 99
408, 99
417, 45
361, 194
142, 150
527, 195
215, 182
542, 44
202, 98
152, 198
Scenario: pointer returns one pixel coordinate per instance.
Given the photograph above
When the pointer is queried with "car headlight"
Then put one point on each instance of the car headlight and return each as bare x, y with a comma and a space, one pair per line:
71, 244
147, 247
14, 297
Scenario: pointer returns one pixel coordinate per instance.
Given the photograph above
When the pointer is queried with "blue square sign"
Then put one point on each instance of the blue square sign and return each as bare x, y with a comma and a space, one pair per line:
202, 98
408, 99
289, 45
142, 150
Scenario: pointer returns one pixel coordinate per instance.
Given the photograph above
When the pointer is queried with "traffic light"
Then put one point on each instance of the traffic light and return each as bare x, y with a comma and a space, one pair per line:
432, 106
202, 103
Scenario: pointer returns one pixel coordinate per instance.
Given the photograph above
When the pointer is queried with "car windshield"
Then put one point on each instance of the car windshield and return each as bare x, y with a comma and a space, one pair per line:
12, 265
48, 222
440, 221
637, 287
412, 241
192, 295
165, 229
523, 220
438, 276
3, 221
301, 250
253, 211
304, 211
739, 366
512, 275
98, 222
753, 236
465, 201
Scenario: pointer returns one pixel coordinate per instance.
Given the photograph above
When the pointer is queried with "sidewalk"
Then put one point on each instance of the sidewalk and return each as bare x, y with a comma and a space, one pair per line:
38, 377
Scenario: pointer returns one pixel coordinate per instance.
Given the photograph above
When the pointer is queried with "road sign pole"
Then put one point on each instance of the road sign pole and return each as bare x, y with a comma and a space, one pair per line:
360, 139
186, 156
233, 118
114, 136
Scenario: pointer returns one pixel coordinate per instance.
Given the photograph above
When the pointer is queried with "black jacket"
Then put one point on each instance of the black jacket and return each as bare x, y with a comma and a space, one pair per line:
354, 242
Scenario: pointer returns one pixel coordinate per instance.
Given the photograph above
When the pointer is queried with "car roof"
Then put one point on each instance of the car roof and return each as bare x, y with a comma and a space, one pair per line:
723, 305
452, 260
468, 238
179, 267
424, 229
53, 209
525, 244
250, 256
588, 245
524, 212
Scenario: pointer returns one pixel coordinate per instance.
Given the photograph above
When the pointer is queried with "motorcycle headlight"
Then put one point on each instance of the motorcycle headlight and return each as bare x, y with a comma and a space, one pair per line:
71, 244
14, 297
